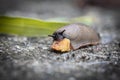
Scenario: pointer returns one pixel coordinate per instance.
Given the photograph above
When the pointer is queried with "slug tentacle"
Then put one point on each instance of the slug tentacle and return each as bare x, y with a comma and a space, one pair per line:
58, 35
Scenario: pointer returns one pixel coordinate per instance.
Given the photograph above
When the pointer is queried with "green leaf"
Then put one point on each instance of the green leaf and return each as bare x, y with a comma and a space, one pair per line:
36, 27
27, 26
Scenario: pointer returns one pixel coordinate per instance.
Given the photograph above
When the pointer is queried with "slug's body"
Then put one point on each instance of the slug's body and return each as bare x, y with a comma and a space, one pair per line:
79, 35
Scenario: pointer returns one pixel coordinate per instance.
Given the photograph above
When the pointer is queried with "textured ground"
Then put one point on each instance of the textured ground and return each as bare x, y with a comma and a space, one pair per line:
31, 58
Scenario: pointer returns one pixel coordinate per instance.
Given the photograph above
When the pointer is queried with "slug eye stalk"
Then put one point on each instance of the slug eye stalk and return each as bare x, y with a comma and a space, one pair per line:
51, 35
57, 36
62, 32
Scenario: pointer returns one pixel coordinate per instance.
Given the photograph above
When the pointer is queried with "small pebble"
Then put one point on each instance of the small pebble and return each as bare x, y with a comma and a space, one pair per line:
44, 47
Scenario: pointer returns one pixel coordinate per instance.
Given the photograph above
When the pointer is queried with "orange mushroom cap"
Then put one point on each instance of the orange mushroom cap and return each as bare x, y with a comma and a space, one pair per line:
62, 45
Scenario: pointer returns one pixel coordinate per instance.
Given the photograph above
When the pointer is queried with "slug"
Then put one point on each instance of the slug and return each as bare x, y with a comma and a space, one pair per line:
73, 37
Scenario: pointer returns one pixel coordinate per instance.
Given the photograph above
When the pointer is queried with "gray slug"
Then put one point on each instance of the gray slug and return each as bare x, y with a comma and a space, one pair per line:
80, 35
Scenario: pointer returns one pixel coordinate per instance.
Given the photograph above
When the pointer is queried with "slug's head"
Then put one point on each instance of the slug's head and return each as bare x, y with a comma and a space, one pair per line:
60, 42
57, 36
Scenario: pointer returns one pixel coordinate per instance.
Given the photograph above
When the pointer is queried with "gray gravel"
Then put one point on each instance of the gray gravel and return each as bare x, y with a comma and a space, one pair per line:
30, 58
